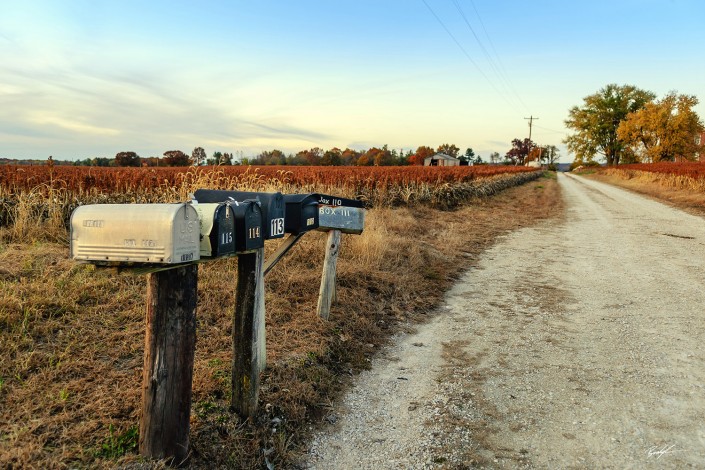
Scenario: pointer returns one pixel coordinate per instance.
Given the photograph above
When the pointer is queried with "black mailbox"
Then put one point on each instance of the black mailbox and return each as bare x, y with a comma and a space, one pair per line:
248, 225
301, 212
217, 229
272, 205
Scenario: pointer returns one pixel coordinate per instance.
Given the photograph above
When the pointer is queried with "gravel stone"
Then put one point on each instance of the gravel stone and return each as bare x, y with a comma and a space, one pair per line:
572, 344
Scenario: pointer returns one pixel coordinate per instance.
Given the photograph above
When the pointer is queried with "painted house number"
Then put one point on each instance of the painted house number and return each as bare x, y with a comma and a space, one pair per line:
226, 238
335, 211
277, 226
253, 232
329, 202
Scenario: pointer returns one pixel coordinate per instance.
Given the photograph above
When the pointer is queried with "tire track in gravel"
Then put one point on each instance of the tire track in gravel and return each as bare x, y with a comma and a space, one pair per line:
577, 344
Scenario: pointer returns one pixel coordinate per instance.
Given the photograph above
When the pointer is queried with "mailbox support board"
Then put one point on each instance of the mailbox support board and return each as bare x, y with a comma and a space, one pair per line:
170, 344
326, 294
248, 334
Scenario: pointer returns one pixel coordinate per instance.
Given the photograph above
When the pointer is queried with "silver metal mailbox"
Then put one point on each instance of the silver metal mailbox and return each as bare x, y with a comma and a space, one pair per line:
135, 233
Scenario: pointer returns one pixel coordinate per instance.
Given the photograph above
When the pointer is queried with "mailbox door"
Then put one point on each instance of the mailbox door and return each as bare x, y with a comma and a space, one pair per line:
223, 234
301, 213
272, 206
248, 225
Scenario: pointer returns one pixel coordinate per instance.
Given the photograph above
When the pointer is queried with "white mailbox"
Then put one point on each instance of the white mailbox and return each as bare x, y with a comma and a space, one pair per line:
135, 233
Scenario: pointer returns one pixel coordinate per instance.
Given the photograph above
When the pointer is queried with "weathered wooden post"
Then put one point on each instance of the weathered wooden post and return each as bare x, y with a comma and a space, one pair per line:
248, 331
336, 215
170, 343
260, 333
326, 293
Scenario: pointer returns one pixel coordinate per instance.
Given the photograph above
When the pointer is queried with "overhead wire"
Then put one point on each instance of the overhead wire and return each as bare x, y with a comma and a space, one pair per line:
499, 69
550, 130
467, 55
496, 70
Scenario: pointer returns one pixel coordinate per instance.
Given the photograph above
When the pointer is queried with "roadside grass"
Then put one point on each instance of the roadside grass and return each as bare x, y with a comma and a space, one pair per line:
681, 192
72, 336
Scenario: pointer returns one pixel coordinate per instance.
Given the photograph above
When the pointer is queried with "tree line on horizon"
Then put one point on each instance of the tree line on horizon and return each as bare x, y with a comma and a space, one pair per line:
522, 151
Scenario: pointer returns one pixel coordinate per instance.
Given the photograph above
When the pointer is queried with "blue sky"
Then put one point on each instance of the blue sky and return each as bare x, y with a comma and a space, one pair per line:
83, 79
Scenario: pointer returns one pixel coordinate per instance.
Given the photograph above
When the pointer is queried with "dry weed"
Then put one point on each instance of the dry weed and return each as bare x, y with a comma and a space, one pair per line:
681, 191
72, 336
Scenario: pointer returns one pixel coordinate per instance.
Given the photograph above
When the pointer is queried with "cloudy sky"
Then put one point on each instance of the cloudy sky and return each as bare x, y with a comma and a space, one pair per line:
90, 78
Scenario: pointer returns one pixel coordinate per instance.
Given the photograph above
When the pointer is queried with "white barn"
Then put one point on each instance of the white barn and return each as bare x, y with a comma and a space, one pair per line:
441, 159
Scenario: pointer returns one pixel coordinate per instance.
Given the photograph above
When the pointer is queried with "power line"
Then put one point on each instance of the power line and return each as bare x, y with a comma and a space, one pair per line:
531, 122
503, 77
499, 59
466, 53
551, 130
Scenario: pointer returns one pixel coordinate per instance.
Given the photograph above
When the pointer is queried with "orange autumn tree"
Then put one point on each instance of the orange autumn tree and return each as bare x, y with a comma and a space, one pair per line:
421, 154
663, 130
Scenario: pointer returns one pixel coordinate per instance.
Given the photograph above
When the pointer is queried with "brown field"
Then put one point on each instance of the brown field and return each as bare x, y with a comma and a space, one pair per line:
72, 336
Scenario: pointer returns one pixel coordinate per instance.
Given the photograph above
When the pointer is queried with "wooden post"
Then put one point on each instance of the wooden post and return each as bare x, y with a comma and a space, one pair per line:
248, 332
170, 342
327, 291
260, 327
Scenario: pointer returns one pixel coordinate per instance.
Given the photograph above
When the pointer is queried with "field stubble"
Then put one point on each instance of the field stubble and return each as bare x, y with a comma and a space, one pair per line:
72, 336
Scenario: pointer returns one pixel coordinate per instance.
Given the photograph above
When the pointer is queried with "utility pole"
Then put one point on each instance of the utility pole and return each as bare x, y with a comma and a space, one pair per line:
531, 122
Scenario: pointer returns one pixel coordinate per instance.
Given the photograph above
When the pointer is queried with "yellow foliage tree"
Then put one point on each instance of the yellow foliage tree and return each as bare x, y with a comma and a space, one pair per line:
663, 130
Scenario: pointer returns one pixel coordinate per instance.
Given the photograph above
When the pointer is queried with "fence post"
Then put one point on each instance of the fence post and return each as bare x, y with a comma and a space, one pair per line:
170, 342
260, 333
327, 292
248, 333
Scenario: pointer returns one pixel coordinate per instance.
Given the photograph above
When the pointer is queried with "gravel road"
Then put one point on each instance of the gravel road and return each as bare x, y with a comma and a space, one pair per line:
577, 343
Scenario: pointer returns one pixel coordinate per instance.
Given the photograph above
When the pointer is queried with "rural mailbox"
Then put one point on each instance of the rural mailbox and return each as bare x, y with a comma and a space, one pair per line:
135, 233
272, 205
217, 229
301, 212
248, 225
337, 213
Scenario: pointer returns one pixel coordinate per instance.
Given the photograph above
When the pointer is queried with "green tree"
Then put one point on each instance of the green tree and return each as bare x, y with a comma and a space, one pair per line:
226, 159
274, 157
127, 159
310, 157
198, 156
332, 157
596, 122
467, 157
176, 158
664, 130
550, 154
449, 149
403, 158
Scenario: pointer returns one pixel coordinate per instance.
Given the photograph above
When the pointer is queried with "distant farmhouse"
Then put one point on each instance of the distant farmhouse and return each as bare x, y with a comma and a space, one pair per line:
441, 159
